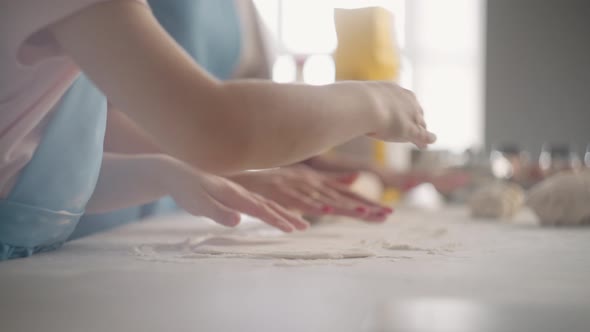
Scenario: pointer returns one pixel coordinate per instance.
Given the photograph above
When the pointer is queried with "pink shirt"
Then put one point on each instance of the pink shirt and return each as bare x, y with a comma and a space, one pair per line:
34, 75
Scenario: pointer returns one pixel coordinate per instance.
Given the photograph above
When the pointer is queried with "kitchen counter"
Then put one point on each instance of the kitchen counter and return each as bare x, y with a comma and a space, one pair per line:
444, 272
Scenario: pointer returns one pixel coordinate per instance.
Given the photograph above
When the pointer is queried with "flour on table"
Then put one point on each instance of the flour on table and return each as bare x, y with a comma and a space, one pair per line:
331, 242
243, 247
401, 247
389, 245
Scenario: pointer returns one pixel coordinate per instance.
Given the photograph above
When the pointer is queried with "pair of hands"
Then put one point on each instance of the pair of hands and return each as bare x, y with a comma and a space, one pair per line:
313, 193
268, 195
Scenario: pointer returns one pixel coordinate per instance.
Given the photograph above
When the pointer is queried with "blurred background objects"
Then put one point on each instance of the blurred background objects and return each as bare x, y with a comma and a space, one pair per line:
440, 45
500, 79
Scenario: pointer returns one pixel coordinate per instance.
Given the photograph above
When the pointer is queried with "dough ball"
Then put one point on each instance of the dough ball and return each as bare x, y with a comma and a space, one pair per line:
497, 200
369, 186
424, 196
563, 199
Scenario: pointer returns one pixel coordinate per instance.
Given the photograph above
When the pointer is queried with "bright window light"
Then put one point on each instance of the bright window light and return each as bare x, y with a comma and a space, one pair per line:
441, 45
307, 26
284, 69
319, 70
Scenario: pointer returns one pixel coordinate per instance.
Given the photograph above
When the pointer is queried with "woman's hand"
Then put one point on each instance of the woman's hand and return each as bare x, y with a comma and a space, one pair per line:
222, 200
312, 193
403, 117
445, 181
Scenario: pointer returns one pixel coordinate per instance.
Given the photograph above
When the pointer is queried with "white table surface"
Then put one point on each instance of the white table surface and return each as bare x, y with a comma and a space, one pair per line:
474, 276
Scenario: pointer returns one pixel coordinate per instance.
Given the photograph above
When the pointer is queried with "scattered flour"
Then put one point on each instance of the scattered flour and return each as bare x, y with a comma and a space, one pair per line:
242, 247
401, 247
323, 244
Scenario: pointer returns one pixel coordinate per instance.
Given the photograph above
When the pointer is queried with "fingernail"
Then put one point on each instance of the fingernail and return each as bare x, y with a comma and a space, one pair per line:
233, 221
361, 209
301, 224
388, 210
432, 137
327, 209
380, 214
410, 184
287, 228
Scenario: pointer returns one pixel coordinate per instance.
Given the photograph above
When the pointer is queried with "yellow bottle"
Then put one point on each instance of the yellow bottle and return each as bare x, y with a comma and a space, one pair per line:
366, 51
366, 48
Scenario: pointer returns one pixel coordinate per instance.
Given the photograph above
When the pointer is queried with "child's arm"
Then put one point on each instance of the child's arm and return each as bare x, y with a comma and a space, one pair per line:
131, 180
224, 127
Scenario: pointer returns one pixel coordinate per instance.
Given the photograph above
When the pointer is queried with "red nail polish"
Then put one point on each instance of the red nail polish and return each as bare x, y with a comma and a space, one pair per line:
327, 209
361, 209
388, 210
410, 184
380, 214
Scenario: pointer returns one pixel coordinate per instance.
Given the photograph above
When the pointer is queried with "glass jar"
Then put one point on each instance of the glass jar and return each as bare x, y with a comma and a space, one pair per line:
509, 162
556, 158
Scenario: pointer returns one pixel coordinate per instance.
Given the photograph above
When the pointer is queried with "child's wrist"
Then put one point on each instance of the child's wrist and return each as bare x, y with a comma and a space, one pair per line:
373, 99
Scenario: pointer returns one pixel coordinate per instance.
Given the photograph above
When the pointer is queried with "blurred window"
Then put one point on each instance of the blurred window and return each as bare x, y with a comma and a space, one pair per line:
441, 46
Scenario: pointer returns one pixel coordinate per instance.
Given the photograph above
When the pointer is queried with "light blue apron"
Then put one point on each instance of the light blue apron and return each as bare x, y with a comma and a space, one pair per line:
209, 30
53, 189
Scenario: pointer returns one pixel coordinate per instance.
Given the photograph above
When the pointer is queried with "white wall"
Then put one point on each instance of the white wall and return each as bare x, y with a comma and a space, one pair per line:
444, 42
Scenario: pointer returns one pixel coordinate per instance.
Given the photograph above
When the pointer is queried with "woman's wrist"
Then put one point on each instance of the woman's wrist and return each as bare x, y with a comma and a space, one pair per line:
164, 170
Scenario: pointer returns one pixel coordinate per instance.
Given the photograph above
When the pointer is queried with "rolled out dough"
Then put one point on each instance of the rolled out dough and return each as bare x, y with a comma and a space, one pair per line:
328, 242
244, 247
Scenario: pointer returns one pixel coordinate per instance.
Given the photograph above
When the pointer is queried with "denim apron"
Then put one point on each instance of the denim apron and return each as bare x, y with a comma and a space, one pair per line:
52, 190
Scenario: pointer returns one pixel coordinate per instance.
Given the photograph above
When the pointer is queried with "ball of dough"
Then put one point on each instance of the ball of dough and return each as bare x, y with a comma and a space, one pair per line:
497, 200
369, 186
563, 199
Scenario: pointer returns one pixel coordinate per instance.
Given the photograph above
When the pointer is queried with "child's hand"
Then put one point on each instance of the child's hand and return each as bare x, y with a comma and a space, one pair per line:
222, 200
313, 193
403, 118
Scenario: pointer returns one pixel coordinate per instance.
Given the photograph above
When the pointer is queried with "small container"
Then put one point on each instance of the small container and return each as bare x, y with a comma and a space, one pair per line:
509, 161
556, 158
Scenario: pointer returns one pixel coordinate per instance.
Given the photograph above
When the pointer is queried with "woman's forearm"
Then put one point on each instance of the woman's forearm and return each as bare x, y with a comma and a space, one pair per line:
126, 137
